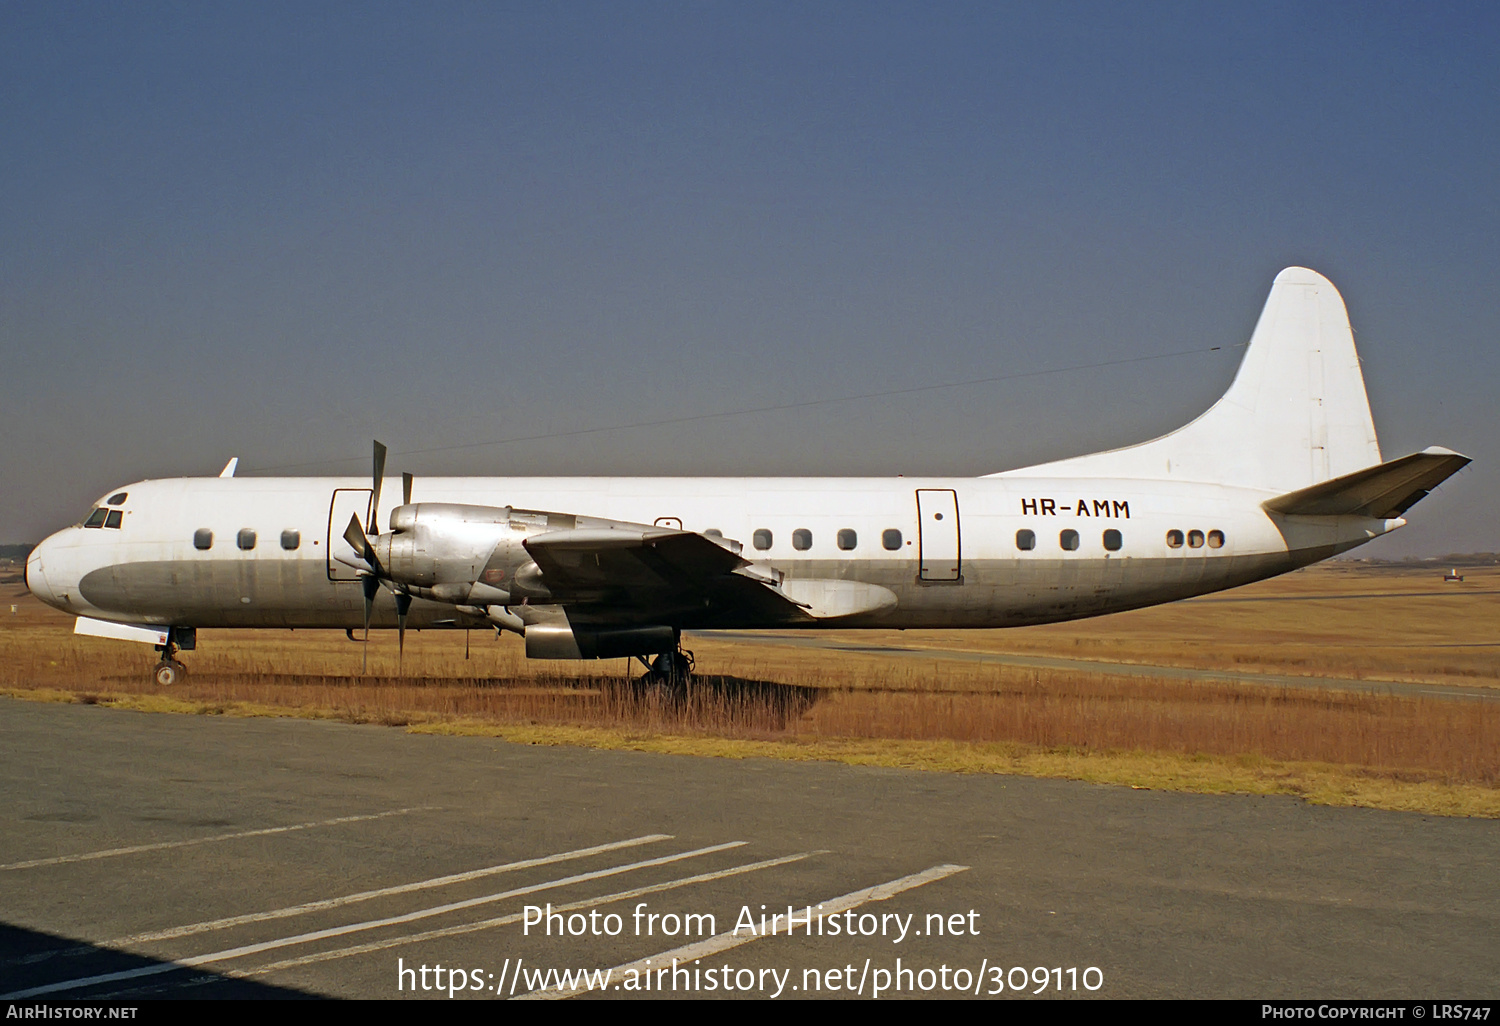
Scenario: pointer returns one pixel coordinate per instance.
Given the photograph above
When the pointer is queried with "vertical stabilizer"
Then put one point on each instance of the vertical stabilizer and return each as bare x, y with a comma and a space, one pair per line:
1296, 414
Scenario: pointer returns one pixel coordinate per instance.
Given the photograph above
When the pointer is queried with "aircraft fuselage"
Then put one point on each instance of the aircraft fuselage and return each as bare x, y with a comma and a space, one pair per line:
949, 549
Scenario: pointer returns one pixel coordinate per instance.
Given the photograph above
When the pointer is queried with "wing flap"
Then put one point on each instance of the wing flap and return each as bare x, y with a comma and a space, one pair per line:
1383, 491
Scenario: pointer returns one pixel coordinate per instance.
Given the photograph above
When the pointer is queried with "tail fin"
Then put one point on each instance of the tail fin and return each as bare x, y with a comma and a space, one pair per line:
1296, 414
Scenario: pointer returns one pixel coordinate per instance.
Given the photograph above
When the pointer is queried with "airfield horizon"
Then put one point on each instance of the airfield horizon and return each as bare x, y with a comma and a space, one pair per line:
1131, 699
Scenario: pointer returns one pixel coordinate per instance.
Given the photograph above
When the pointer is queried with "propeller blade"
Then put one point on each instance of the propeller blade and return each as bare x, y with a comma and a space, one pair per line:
403, 604
360, 543
371, 585
406, 480
375, 495
355, 536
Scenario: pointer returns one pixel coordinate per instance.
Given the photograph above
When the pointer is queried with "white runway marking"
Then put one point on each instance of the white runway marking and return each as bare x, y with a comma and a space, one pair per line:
515, 917
373, 924
349, 899
726, 941
109, 853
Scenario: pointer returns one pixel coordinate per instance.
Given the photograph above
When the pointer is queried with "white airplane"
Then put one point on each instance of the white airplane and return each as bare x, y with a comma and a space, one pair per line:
1281, 472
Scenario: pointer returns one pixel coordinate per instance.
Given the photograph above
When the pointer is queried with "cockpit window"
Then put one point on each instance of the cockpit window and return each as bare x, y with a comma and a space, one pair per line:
114, 518
96, 518
117, 499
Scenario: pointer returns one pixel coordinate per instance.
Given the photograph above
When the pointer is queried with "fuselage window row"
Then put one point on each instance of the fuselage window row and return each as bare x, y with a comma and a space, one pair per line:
847, 538
1195, 539
203, 538
1069, 540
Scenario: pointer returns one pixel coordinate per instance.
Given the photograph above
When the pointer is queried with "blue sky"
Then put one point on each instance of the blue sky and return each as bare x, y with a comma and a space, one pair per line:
275, 231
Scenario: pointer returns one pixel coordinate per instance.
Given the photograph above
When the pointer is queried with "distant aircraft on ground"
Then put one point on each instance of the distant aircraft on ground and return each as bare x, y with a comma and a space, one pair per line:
1281, 472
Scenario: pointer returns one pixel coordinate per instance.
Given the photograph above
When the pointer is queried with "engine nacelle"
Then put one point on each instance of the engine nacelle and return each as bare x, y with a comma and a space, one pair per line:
443, 548
470, 555
560, 641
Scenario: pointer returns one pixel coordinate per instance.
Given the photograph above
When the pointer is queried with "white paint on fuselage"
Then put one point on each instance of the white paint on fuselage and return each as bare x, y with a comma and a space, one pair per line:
161, 517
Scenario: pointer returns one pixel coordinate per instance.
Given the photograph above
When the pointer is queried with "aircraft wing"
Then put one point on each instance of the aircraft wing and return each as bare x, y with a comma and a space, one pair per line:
615, 575
592, 562
1386, 490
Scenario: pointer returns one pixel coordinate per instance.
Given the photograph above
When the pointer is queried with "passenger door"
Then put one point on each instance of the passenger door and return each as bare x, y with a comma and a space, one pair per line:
346, 502
937, 535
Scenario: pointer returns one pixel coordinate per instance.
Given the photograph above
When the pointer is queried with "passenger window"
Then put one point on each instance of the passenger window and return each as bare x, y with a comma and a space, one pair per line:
1216, 539
1174, 539
114, 518
713, 532
1195, 539
847, 539
891, 539
117, 499
1025, 540
96, 518
761, 539
1113, 540
1068, 539
203, 538
291, 540
801, 539
246, 539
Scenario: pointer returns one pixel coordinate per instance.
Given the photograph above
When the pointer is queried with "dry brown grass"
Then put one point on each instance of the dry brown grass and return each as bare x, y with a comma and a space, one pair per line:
1394, 752
1333, 620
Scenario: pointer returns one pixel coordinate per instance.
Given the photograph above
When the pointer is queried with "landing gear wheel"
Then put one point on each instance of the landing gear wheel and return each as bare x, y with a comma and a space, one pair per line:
668, 676
168, 672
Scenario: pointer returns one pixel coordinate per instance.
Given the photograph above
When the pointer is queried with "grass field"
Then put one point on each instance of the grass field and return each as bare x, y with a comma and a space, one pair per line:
1354, 621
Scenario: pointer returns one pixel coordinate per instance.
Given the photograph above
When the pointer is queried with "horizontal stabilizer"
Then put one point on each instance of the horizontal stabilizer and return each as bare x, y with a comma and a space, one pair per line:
1382, 491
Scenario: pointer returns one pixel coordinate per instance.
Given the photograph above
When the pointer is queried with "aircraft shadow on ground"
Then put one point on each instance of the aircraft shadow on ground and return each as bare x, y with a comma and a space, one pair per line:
787, 699
723, 700
726, 700
31, 958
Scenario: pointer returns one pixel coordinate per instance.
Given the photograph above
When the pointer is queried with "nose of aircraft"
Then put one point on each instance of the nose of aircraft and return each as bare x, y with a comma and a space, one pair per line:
37, 581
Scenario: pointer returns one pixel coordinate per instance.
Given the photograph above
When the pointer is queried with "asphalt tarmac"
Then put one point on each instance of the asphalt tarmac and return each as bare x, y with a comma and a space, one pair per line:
146, 856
